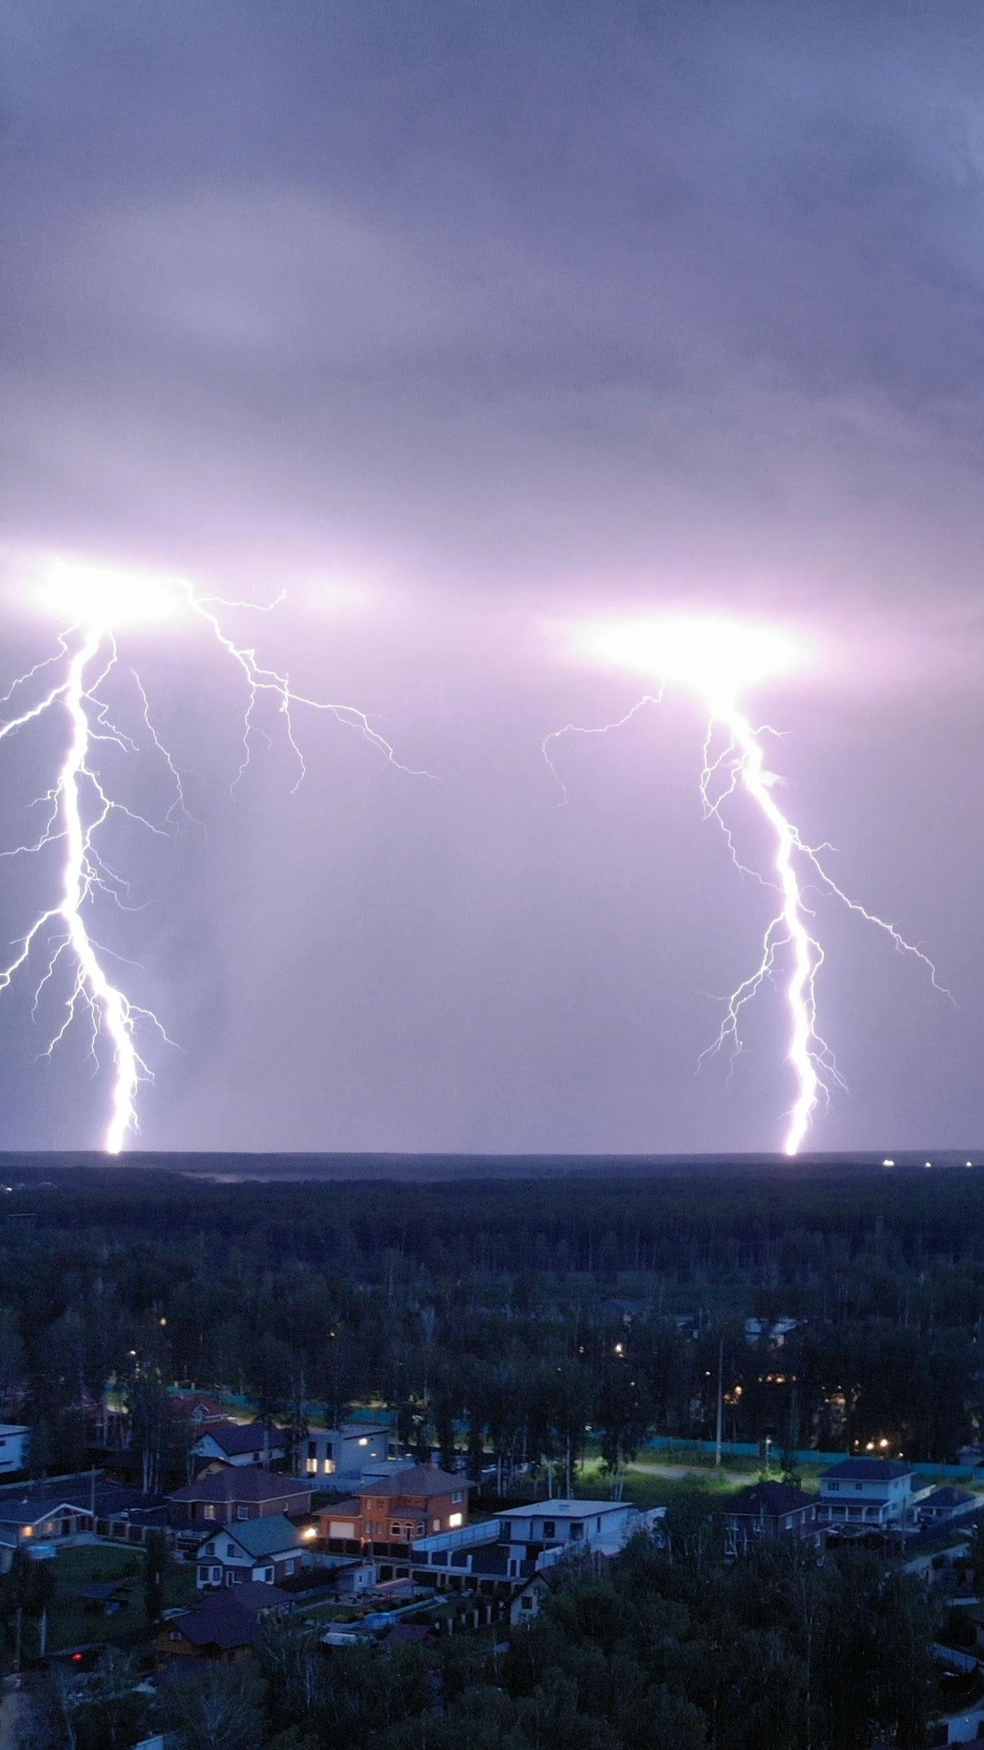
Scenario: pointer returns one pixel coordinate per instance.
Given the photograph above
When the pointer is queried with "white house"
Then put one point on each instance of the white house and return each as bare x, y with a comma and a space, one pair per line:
240, 1443
15, 1442
347, 1450
602, 1525
265, 1551
866, 1492
528, 1601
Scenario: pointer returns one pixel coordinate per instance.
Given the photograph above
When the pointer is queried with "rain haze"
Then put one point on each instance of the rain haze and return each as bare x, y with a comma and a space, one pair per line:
462, 326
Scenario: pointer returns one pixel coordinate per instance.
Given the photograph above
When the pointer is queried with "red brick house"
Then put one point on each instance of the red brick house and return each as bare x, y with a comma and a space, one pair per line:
397, 1510
238, 1492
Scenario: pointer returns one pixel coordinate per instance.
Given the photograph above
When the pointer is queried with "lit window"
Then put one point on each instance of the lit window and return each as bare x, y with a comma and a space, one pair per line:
208, 1511
455, 1521
312, 1467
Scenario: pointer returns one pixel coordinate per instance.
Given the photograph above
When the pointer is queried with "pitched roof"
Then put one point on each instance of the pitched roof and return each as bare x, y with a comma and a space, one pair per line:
948, 1496
422, 1480
245, 1483
868, 1470
772, 1499
234, 1438
229, 1619
261, 1537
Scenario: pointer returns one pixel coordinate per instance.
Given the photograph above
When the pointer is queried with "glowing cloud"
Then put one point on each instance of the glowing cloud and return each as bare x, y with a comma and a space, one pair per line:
722, 660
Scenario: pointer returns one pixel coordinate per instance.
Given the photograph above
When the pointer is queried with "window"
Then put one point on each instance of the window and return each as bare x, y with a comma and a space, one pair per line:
859, 1487
597, 1524
577, 1528
242, 1512
458, 1495
290, 1566
208, 1511
454, 1520
266, 1575
312, 1449
435, 1525
833, 1485
209, 1549
312, 1467
231, 1550
526, 1603
549, 1528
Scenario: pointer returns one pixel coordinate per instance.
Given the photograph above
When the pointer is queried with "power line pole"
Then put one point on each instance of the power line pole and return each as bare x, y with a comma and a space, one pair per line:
720, 1406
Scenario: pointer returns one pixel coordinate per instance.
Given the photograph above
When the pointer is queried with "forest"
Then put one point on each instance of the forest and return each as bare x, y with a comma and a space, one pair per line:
512, 1319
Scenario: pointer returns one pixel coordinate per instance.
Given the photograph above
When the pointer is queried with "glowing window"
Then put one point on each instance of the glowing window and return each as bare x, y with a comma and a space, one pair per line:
455, 1521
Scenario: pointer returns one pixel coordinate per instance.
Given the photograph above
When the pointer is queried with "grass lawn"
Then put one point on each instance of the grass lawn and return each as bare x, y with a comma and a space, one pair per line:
72, 1621
653, 1483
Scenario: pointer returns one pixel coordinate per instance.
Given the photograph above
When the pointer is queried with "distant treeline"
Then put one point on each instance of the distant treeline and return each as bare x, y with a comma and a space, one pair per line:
515, 1318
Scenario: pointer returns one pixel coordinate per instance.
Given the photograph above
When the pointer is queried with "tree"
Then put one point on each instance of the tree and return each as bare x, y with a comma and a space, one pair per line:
155, 1567
216, 1708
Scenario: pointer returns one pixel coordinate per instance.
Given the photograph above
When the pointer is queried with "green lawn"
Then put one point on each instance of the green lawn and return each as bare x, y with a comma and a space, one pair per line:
71, 1621
654, 1483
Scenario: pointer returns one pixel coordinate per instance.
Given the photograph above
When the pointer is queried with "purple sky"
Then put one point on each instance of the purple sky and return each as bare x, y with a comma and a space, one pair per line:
463, 323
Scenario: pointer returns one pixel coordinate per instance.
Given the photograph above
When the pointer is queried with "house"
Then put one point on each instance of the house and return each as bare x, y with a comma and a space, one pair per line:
15, 1444
224, 1626
400, 1508
769, 1331
346, 1450
264, 1551
238, 1492
944, 1504
199, 1408
240, 1443
866, 1491
601, 1525
528, 1602
767, 1510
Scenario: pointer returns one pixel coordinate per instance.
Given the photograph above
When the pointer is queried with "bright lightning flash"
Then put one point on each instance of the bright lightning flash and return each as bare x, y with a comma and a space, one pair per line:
721, 661
93, 603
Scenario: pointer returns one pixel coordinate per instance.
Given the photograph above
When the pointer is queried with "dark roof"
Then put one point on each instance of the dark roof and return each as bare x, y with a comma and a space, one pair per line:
235, 1438
948, 1496
229, 1619
422, 1480
342, 1509
868, 1470
772, 1499
246, 1483
260, 1537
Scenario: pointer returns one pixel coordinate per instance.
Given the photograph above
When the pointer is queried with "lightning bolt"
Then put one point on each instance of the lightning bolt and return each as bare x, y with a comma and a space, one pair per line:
740, 767
79, 805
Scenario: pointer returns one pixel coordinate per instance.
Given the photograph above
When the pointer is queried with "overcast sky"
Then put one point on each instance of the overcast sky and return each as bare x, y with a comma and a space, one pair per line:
461, 324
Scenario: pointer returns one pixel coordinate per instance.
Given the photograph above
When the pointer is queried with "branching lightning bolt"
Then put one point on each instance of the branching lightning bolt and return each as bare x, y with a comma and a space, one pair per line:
79, 804
740, 767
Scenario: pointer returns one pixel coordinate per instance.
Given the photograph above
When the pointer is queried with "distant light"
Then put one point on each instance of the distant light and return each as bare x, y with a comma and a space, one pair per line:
162, 1321
883, 1442
309, 1531
619, 1350
101, 595
363, 1440
968, 1163
928, 1163
721, 658
888, 1163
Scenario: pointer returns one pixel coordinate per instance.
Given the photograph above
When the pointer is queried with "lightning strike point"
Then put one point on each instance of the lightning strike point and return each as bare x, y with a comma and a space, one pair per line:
721, 661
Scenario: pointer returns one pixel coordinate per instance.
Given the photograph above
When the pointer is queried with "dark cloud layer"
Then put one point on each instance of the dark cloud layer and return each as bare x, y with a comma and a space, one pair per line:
461, 323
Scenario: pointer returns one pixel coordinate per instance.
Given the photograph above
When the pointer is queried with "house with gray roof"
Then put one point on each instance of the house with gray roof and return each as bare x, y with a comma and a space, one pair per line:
260, 1551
